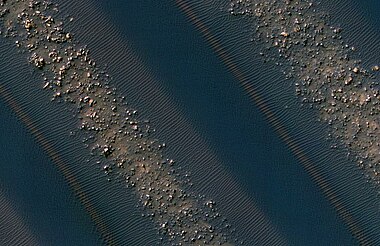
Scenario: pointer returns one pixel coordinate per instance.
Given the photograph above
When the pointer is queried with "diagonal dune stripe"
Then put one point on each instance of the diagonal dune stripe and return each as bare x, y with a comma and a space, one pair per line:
311, 169
100, 225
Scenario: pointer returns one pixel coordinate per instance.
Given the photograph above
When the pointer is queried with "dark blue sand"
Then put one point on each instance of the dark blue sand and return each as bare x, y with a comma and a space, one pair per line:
37, 190
239, 133
370, 10
51, 206
211, 100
